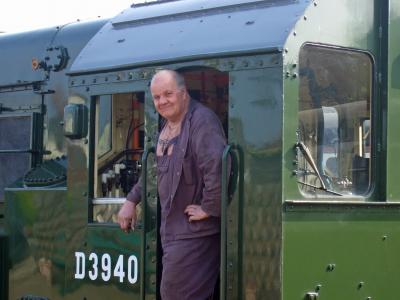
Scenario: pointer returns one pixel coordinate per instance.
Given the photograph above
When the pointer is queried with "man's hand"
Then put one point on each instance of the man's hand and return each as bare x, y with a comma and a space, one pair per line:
127, 216
195, 213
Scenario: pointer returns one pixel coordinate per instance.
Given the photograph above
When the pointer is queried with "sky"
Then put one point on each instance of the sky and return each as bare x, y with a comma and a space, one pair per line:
26, 15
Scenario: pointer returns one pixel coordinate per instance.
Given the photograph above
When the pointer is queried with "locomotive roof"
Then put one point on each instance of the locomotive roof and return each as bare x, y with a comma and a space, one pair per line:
18, 49
189, 29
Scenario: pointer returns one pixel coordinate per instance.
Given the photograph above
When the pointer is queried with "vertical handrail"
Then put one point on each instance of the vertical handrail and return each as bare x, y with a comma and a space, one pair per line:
224, 211
145, 156
240, 219
224, 207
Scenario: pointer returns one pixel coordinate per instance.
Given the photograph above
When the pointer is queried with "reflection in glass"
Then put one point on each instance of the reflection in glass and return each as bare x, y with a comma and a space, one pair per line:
335, 119
104, 125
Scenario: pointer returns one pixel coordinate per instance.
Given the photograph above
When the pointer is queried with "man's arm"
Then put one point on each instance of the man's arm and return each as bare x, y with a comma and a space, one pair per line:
127, 213
208, 143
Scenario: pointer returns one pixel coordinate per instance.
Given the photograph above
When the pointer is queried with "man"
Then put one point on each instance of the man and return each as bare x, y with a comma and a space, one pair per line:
189, 150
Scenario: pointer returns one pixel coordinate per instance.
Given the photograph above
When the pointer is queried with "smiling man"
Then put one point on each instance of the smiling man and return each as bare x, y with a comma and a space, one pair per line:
189, 151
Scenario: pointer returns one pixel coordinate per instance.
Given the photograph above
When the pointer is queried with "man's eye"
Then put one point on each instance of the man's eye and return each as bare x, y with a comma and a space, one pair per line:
168, 94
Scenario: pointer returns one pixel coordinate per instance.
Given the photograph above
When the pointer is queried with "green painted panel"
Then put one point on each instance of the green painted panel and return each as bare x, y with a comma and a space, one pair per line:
255, 116
3, 264
36, 222
111, 261
393, 78
349, 252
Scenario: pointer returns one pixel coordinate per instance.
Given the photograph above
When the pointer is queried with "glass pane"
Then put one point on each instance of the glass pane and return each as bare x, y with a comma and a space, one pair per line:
120, 141
334, 120
104, 125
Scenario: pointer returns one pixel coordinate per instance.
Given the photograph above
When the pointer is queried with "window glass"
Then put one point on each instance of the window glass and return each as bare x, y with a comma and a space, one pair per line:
104, 125
119, 144
334, 148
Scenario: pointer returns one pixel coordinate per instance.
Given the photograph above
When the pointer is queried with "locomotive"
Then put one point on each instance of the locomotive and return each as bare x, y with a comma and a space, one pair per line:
307, 92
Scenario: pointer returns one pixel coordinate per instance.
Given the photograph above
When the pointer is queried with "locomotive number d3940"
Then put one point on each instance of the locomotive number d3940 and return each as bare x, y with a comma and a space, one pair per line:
103, 268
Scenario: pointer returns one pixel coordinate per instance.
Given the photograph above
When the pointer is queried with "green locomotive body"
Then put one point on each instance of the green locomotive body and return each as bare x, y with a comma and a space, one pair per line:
307, 93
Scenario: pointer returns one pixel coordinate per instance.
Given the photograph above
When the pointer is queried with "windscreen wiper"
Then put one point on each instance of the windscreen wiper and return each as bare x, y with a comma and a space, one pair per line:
307, 155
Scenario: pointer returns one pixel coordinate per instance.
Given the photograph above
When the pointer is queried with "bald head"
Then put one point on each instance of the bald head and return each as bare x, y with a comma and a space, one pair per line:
173, 75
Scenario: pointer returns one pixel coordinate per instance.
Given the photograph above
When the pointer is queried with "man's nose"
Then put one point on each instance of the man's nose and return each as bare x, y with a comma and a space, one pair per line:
162, 100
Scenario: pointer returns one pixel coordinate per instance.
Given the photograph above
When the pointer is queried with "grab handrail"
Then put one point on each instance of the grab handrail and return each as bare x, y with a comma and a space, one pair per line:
226, 194
145, 156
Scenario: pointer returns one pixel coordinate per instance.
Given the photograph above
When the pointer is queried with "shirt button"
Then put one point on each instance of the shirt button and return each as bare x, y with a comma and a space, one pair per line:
177, 173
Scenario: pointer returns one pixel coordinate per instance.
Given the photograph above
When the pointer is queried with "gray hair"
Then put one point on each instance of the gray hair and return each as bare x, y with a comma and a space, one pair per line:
179, 79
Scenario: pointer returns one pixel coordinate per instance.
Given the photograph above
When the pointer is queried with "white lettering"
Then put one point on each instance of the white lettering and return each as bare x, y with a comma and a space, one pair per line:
106, 266
93, 273
119, 269
106, 271
132, 279
80, 265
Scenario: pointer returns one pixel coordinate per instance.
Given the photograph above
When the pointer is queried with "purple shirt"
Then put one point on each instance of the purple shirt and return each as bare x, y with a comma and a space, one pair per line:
192, 175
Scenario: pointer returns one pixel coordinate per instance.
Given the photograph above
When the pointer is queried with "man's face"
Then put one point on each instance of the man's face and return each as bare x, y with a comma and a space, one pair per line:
169, 100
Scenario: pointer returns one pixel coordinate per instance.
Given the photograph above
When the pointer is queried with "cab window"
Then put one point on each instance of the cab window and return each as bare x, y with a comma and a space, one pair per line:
334, 133
119, 142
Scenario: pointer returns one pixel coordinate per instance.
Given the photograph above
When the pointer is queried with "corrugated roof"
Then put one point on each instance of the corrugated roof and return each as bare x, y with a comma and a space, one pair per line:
189, 29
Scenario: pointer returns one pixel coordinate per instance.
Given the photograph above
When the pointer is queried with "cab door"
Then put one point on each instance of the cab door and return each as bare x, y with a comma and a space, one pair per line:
105, 161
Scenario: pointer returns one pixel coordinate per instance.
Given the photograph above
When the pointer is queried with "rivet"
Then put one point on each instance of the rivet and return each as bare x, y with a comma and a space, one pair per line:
360, 284
318, 287
294, 75
330, 267
286, 50
130, 75
305, 18
294, 33
315, 4
384, 237
87, 89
